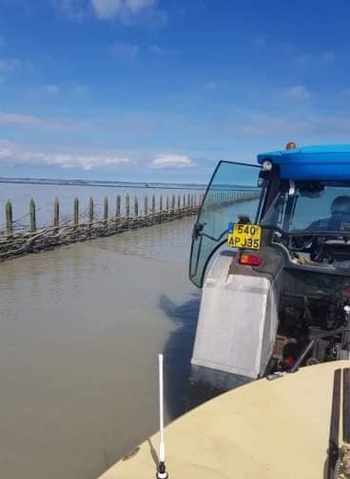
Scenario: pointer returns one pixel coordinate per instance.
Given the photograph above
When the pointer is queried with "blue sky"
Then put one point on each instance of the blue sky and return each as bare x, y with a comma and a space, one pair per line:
160, 90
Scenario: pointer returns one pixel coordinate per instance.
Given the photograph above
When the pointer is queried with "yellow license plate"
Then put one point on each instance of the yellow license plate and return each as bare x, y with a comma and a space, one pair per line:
245, 236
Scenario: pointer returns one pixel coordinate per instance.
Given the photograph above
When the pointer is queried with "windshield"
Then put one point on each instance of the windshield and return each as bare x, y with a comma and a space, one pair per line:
232, 192
310, 207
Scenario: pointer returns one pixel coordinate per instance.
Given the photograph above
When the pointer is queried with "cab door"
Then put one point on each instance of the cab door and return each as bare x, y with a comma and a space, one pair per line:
232, 192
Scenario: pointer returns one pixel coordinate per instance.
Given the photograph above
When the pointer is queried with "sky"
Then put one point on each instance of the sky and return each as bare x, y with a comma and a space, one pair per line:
161, 90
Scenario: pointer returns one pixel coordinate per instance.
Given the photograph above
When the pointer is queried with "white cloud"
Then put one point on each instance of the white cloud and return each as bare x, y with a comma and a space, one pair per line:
137, 5
156, 49
163, 51
317, 59
312, 127
9, 65
126, 11
298, 92
110, 9
20, 120
265, 125
5, 149
31, 121
81, 89
107, 9
51, 89
13, 155
125, 51
73, 9
163, 161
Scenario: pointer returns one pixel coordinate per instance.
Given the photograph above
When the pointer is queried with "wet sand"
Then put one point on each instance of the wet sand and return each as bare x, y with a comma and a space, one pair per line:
81, 328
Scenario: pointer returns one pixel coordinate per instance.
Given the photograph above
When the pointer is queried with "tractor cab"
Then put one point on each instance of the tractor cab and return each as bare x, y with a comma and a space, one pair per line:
271, 250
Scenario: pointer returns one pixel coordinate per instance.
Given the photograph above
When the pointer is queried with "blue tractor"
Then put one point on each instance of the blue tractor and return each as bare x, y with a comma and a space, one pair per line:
271, 251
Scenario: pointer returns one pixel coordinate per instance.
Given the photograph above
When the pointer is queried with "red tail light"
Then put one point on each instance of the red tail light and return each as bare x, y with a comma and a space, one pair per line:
249, 259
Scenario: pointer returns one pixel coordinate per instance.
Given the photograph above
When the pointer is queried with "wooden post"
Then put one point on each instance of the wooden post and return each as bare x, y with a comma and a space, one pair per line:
161, 203
184, 201
56, 212
105, 209
136, 206
117, 206
32, 215
188, 199
76, 212
91, 211
167, 202
173, 202
145, 206
127, 205
178, 202
153, 204
9, 218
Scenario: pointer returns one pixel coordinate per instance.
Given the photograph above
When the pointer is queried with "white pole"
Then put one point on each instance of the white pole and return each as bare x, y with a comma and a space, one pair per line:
161, 410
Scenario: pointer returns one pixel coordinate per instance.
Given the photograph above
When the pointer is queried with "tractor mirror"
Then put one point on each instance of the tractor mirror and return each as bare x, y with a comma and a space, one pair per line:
244, 220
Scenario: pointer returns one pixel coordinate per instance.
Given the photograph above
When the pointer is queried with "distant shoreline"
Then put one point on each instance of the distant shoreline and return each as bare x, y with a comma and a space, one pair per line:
111, 184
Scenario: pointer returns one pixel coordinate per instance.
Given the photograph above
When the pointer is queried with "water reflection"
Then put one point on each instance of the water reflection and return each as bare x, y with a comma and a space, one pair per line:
178, 351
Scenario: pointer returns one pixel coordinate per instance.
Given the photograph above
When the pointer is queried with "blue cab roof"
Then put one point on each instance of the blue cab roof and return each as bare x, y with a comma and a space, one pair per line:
327, 162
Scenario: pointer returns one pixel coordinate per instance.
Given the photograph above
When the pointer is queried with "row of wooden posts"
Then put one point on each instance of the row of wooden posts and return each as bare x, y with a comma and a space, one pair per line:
16, 241
173, 202
168, 203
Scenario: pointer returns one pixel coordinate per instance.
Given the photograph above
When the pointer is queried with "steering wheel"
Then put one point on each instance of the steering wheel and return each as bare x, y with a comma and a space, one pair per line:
296, 243
301, 243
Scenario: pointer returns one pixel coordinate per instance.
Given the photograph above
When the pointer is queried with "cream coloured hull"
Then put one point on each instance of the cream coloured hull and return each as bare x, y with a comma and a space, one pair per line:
266, 429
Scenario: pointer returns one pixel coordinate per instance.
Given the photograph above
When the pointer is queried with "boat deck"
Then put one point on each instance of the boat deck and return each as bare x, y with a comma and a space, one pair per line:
267, 429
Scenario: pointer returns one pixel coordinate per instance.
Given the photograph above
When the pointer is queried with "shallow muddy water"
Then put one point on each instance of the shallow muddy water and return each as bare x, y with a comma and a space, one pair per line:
81, 328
